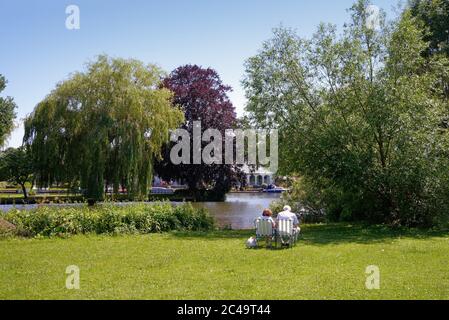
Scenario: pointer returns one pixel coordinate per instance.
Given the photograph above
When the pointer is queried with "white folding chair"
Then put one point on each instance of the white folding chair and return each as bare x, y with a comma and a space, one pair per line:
285, 232
264, 230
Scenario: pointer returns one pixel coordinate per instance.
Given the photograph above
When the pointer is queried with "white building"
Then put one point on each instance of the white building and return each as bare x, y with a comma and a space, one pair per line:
255, 177
258, 176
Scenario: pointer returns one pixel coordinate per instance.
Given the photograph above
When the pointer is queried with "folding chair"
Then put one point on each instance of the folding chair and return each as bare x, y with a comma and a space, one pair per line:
265, 231
286, 233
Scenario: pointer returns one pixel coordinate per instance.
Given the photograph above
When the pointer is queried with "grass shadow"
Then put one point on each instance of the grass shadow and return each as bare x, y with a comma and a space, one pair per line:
326, 234
340, 233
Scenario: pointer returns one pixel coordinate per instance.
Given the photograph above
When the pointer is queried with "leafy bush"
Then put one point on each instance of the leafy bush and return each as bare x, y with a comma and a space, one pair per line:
109, 219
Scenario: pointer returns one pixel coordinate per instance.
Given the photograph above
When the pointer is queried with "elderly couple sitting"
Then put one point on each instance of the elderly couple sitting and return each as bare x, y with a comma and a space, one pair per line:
286, 214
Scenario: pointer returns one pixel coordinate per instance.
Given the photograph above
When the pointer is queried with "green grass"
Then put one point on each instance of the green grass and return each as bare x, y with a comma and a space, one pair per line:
18, 198
41, 195
11, 196
328, 263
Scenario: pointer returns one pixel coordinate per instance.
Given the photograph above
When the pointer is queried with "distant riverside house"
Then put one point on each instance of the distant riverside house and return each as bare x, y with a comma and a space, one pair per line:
256, 177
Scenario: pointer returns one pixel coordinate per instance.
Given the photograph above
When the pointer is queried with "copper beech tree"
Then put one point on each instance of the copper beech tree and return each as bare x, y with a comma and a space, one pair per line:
202, 96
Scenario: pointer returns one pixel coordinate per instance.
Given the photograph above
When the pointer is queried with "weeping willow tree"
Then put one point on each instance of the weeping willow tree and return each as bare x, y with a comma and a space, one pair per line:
102, 127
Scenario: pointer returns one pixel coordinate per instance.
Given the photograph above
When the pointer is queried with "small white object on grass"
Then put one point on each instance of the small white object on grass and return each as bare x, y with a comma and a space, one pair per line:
251, 243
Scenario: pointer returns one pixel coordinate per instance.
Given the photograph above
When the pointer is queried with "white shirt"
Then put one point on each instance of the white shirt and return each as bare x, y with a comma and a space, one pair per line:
287, 215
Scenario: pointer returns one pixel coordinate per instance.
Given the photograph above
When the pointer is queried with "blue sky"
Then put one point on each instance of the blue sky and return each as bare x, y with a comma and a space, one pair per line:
37, 50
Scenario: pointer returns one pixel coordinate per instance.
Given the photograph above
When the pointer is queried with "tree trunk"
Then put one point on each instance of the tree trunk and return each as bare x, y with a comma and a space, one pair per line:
24, 190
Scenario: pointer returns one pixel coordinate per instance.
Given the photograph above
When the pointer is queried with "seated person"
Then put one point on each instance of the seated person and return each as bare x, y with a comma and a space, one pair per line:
267, 215
287, 214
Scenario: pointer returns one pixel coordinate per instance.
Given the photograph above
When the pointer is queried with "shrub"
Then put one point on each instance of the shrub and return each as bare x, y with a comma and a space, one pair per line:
109, 219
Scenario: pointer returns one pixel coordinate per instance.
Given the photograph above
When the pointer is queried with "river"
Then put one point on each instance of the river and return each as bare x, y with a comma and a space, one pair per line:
238, 211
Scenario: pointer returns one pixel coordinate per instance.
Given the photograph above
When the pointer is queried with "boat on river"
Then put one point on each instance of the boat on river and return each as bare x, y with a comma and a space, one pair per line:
275, 189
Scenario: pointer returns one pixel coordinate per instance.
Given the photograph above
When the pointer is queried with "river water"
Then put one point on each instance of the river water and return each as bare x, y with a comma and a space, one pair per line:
238, 211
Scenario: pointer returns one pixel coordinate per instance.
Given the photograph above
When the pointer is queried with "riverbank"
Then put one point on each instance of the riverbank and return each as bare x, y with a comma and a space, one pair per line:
329, 263
62, 197
238, 211
17, 199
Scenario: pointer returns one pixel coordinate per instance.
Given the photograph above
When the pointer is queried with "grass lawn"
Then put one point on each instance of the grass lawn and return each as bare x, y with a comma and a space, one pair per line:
328, 263
11, 196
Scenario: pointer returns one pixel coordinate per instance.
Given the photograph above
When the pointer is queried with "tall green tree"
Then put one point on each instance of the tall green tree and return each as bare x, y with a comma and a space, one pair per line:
435, 16
103, 127
7, 113
16, 166
358, 116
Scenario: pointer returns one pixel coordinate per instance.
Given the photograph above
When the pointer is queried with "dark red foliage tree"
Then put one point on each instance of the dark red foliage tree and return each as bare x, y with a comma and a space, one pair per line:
203, 97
